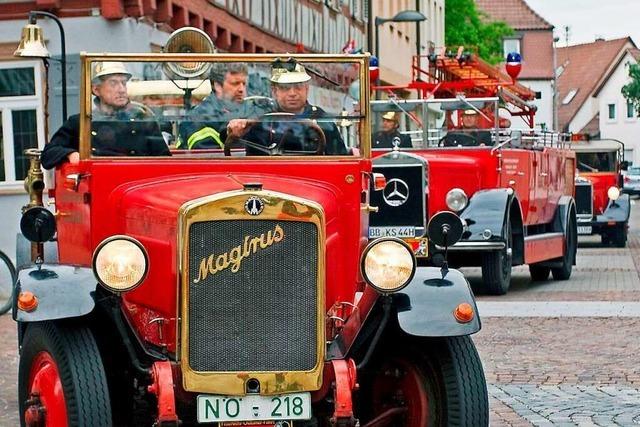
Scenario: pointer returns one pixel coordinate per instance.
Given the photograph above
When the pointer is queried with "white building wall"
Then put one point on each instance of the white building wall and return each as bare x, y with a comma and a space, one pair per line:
584, 115
622, 127
398, 39
544, 114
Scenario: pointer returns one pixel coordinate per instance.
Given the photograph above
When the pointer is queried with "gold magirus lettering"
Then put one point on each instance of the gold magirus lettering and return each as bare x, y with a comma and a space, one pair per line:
213, 263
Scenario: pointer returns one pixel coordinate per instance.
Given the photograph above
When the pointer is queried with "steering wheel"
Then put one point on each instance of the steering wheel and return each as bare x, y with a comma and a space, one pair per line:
454, 139
277, 148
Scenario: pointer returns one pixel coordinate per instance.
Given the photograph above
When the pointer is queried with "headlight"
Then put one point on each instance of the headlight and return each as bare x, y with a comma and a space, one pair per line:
120, 263
613, 193
388, 264
456, 199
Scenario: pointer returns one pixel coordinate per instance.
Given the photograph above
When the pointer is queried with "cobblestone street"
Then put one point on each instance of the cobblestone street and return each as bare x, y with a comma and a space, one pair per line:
568, 356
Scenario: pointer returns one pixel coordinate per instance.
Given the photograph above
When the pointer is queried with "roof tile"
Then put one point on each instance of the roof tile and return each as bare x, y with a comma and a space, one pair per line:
516, 13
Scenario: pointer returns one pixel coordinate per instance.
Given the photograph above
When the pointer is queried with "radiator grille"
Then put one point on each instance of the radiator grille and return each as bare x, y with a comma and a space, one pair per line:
584, 199
262, 317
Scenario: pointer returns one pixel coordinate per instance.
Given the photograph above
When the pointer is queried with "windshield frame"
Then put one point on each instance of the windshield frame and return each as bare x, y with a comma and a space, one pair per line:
362, 60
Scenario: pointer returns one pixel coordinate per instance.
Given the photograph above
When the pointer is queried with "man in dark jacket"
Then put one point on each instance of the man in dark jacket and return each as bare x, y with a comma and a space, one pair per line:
290, 90
226, 102
388, 136
118, 126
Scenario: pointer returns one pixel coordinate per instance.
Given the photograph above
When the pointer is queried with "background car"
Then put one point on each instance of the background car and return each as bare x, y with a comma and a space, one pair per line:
631, 181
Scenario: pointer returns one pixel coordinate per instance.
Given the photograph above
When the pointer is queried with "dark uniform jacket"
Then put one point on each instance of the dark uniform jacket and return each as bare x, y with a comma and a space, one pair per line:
206, 121
128, 132
384, 139
296, 136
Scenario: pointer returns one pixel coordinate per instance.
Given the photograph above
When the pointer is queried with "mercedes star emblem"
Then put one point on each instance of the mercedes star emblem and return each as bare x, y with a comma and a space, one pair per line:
396, 192
254, 205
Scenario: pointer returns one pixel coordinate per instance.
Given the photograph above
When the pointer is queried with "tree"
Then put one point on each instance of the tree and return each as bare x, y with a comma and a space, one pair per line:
466, 26
631, 91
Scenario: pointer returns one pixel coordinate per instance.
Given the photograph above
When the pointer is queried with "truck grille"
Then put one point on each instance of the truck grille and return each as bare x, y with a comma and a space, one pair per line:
263, 315
584, 199
402, 203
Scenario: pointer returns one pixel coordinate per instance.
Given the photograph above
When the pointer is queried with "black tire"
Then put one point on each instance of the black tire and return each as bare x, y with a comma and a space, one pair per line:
451, 374
539, 273
10, 272
564, 271
496, 267
620, 236
80, 370
605, 238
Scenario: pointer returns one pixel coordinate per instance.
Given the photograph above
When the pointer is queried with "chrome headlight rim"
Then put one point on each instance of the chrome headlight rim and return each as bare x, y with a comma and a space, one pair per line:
613, 191
459, 192
368, 249
102, 245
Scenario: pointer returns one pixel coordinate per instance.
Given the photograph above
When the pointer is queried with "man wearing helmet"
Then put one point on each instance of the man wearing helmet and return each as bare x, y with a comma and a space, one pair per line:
290, 90
388, 136
113, 108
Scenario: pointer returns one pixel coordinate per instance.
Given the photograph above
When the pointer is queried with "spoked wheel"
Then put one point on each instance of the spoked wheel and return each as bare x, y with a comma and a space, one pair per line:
61, 379
496, 267
571, 242
438, 382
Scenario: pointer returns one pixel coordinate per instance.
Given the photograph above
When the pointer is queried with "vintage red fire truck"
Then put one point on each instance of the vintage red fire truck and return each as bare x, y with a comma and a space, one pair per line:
513, 188
601, 208
210, 286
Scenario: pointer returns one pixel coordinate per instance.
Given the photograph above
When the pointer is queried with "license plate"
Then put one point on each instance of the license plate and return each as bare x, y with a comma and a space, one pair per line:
392, 232
584, 229
294, 406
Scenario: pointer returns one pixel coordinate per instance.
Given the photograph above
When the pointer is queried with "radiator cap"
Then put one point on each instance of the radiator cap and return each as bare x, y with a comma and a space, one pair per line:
252, 186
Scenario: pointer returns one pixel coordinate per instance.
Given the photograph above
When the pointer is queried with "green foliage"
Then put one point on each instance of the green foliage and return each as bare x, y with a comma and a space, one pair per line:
466, 26
631, 90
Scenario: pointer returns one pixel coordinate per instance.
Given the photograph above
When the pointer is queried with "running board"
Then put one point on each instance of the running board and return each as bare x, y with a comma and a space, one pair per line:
543, 247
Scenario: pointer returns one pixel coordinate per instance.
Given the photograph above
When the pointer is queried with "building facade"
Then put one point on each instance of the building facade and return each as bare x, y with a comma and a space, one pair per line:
248, 26
398, 40
590, 81
533, 40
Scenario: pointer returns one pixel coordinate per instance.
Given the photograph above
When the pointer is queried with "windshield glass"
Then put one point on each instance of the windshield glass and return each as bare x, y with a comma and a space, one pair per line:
451, 123
596, 162
275, 107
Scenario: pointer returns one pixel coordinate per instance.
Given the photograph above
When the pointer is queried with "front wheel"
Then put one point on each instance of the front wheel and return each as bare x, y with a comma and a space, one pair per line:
571, 243
496, 267
435, 382
61, 378
620, 236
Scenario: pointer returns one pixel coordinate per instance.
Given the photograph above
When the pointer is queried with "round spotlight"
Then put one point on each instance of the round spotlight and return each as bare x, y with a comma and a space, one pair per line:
613, 193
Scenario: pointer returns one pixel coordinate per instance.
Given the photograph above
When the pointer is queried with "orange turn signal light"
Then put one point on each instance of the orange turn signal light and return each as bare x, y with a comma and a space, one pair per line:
463, 313
27, 301
379, 181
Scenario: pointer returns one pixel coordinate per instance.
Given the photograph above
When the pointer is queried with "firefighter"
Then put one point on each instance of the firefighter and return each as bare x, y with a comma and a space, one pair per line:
389, 136
112, 107
290, 90
226, 101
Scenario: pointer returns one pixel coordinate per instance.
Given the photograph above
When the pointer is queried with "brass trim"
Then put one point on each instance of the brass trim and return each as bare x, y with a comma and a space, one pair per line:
231, 206
85, 89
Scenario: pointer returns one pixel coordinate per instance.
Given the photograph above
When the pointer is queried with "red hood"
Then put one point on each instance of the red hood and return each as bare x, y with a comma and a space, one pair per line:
601, 181
470, 170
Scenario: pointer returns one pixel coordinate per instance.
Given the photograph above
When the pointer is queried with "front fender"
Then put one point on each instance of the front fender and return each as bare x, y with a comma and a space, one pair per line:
425, 307
62, 291
487, 210
618, 211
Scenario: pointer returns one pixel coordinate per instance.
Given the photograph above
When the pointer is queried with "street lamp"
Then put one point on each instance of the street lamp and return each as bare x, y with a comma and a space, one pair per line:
403, 16
32, 46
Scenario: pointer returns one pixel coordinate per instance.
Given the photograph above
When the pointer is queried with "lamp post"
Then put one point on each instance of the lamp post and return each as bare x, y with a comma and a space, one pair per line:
402, 16
32, 46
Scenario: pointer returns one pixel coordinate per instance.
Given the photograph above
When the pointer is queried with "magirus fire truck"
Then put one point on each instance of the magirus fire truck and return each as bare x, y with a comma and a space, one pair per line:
601, 208
214, 286
513, 188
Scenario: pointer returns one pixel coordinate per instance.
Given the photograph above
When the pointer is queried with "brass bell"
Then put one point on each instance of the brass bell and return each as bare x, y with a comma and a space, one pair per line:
32, 43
